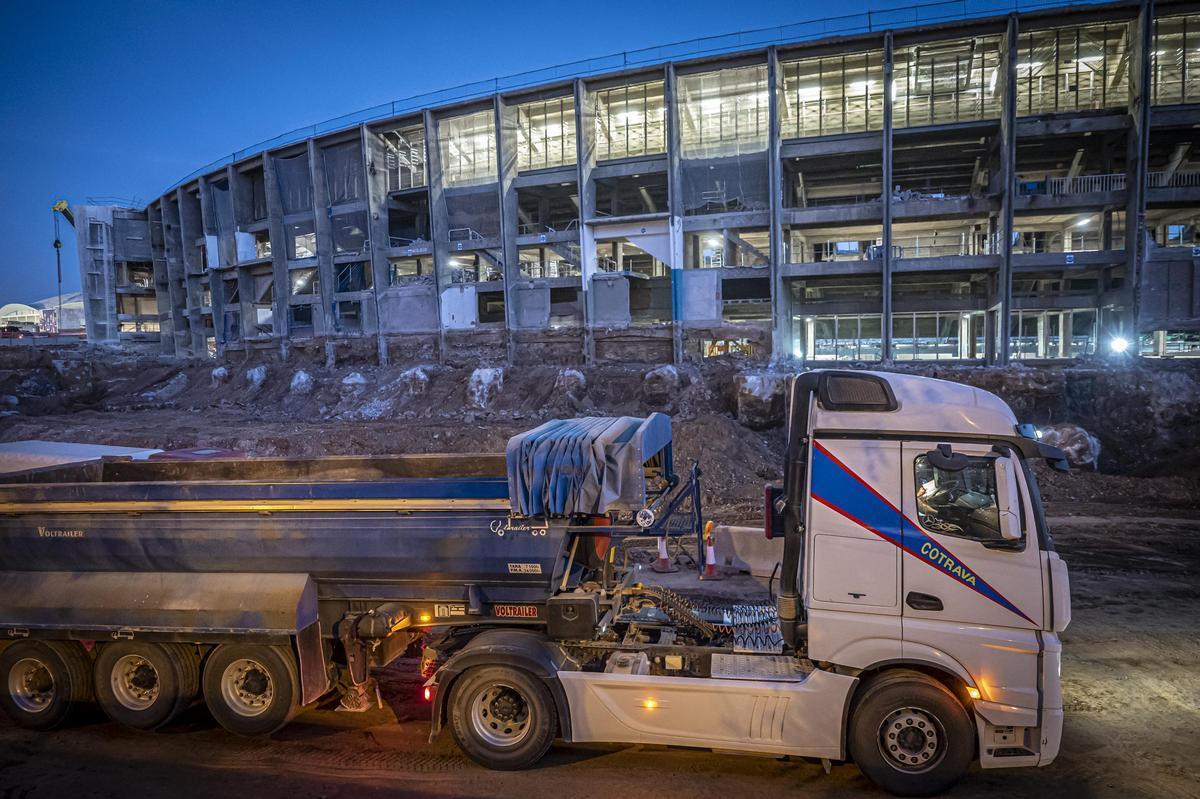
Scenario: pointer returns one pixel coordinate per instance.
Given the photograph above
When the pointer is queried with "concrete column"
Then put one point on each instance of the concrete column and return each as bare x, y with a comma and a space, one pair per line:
438, 224
1141, 40
781, 312
885, 310
279, 261
675, 207
244, 282
506, 169
324, 228
377, 224
216, 281
585, 161
1007, 187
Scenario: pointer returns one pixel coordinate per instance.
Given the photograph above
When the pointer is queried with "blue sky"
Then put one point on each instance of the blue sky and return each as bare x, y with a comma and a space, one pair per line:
124, 99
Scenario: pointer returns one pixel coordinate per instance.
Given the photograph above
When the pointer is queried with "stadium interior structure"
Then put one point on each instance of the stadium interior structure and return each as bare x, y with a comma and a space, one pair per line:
983, 189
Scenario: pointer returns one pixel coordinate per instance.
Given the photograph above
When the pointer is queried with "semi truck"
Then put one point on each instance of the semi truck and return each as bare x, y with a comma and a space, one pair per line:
915, 629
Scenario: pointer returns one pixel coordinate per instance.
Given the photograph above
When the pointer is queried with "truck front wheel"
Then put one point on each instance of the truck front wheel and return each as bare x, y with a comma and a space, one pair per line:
911, 736
43, 681
251, 689
502, 718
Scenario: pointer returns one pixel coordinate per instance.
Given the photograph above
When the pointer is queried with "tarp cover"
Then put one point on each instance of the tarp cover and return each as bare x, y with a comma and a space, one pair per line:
591, 465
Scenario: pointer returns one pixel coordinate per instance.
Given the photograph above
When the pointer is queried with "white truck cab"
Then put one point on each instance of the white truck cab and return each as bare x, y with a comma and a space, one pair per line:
925, 547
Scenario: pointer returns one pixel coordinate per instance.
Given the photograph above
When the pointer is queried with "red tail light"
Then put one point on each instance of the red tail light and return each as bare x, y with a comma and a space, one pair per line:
428, 694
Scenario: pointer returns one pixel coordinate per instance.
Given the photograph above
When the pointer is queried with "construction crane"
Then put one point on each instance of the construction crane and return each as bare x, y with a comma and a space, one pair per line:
60, 208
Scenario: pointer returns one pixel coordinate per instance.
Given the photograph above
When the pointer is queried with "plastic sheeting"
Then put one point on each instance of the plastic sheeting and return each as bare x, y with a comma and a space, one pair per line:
591, 465
295, 184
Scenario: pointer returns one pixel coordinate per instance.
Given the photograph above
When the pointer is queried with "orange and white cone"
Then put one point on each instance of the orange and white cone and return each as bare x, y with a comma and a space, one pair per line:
663, 565
710, 571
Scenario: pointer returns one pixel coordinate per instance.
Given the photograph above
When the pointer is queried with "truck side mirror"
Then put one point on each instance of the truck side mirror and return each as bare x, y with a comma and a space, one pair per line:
1010, 499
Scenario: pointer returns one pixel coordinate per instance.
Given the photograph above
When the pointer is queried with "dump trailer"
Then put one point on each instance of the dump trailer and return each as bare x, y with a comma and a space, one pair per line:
914, 630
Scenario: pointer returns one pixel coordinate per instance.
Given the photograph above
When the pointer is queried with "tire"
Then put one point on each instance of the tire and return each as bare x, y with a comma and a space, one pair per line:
42, 682
502, 718
251, 689
141, 684
908, 716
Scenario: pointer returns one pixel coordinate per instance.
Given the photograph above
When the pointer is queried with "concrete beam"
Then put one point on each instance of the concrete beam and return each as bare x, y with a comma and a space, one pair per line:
1008, 184
1137, 155
886, 200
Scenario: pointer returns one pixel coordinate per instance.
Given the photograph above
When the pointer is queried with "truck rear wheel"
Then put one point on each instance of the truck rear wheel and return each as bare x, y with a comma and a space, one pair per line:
43, 682
911, 736
502, 718
251, 689
141, 684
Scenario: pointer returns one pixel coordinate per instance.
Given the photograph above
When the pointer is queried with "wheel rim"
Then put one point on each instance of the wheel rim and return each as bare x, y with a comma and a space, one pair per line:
135, 682
912, 739
247, 687
31, 685
501, 715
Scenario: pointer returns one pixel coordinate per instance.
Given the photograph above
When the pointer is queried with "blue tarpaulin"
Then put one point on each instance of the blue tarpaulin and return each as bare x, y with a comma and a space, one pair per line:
591, 465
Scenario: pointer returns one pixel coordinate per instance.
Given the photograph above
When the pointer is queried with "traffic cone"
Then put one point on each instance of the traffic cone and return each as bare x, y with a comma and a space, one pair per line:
663, 565
710, 556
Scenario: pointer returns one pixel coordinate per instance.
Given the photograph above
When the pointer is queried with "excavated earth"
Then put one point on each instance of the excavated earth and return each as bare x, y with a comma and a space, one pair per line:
1130, 532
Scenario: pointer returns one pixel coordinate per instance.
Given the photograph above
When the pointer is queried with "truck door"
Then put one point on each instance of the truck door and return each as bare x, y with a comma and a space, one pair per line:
852, 565
969, 592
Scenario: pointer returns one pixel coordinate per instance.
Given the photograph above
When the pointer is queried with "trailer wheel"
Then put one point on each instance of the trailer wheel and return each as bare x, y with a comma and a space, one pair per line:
251, 689
142, 685
911, 736
502, 718
43, 682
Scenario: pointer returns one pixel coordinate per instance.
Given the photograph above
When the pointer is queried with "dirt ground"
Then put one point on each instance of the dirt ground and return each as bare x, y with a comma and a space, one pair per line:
1131, 677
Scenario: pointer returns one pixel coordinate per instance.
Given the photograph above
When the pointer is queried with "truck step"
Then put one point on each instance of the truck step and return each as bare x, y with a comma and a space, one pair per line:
777, 668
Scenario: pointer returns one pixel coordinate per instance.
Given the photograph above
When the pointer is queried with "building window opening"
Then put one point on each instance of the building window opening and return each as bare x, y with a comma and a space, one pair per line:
727, 248
723, 140
355, 276
302, 240
942, 82
490, 307
262, 244
939, 336
264, 309
305, 282
1073, 69
406, 271
404, 157
832, 96
349, 232
632, 196
630, 121
545, 134
408, 220
301, 320
467, 145
348, 316
550, 261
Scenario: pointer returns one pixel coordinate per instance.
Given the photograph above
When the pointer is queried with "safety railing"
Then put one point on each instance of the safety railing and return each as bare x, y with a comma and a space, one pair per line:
1086, 184
864, 22
1173, 180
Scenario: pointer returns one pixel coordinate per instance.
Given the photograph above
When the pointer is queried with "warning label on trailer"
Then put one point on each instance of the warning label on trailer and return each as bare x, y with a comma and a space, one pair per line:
516, 611
524, 568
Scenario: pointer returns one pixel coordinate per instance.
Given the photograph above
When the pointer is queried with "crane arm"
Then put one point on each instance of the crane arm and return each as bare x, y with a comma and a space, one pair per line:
64, 209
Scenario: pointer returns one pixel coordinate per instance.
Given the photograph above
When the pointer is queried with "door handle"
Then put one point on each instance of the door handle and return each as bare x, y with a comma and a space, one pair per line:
918, 601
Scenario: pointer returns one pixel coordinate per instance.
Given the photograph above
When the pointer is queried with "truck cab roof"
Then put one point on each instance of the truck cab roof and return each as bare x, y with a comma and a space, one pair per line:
887, 402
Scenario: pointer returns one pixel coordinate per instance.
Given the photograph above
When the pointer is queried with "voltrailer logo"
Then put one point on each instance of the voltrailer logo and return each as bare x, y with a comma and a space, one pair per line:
516, 611
46, 532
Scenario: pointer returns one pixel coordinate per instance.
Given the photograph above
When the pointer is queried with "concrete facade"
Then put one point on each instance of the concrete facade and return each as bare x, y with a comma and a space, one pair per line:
1008, 188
